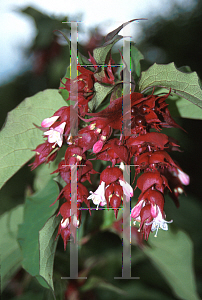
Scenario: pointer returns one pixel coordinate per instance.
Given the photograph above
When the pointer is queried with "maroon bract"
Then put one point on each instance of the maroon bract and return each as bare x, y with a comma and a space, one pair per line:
44, 153
112, 115
114, 151
65, 228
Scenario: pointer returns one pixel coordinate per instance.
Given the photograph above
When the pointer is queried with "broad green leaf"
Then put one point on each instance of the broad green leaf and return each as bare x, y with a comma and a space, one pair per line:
43, 175
47, 247
172, 254
136, 57
37, 211
101, 92
19, 136
186, 85
100, 54
11, 256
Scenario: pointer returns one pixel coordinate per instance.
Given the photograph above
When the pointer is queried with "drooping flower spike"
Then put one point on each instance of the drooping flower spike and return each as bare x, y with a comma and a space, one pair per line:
147, 149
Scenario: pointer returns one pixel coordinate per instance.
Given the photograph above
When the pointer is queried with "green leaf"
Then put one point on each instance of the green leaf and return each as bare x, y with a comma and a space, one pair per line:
47, 247
136, 57
180, 107
117, 92
11, 256
101, 92
43, 175
37, 211
109, 218
172, 254
97, 282
100, 54
186, 85
19, 136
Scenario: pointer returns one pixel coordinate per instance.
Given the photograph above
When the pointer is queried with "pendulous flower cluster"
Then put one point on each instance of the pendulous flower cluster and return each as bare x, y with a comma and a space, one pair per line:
146, 149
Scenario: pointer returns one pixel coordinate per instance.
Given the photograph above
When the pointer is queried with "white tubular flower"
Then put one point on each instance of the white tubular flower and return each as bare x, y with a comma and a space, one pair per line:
159, 223
64, 223
127, 188
98, 197
121, 166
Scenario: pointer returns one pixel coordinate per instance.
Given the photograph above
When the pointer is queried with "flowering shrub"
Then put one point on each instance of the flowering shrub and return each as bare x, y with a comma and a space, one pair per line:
117, 132
146, 148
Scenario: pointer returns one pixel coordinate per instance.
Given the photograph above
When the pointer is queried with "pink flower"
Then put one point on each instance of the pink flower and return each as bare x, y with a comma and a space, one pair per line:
55, 135
135, 212
49, 121
183, 177
98, 146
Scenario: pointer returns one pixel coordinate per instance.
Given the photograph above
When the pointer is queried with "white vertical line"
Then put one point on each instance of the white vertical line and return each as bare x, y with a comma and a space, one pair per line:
73, 75
126, 82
